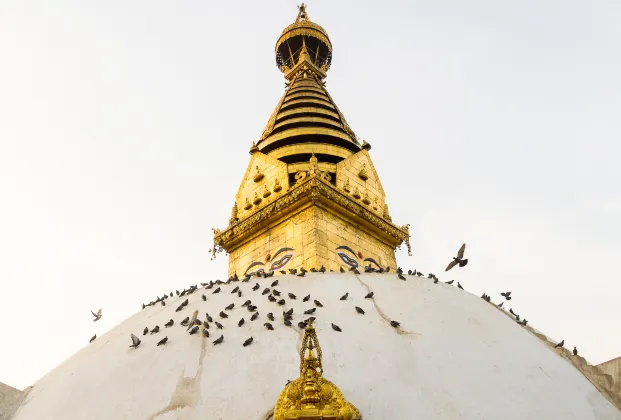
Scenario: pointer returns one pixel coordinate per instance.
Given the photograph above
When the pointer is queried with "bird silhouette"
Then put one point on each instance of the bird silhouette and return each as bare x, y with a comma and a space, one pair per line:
322, 269
268, 326
287, 322
459, 285
194, 330
292, 296
229, 307
185, 321
145, 331
254, 316
155, 330
209, 318
247, 342
435, 280
561, 344
369, 295
344, 297
359, 310
341, 269
310, 311
241, 322
270, 316
459, 259
235, 290
239, 293
313, 270
281, 302
219, 340
256, 286
162, 341
93, 338
395, 324
246, 303
204, 297
275, 292
336, 328
506, 295
223, 315
318, 303
271, 298
511, 311
293, 270
206, 324
97, 315
206, 332
449, 282
216, 291
252, 308
265, 291
274, 283
575, 351
302, 324
289, 312
306, 298
283, 272
301, 274
501, 303
401, 276
135, 341
218, 325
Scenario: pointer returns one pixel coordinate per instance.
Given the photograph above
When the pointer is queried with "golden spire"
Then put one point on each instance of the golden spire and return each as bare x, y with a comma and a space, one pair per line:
311, 396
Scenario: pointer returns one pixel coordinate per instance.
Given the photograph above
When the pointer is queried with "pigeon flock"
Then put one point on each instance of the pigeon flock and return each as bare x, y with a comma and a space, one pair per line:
195, 326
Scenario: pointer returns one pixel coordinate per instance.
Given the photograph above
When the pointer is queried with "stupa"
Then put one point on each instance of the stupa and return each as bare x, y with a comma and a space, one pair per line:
314, 322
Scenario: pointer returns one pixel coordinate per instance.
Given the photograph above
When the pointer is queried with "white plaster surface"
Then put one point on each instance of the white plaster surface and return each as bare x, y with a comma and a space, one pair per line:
457, 357
10, 398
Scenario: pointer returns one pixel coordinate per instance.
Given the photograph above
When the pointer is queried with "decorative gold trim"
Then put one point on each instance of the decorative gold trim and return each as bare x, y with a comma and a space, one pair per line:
311, 396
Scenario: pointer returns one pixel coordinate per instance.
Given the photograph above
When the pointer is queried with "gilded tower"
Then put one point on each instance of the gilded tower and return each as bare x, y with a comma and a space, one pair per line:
310, 196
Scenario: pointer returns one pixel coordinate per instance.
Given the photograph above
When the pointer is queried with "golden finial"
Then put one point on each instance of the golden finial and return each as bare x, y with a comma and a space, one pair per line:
233, 219
311, 396
302, 14
314, 165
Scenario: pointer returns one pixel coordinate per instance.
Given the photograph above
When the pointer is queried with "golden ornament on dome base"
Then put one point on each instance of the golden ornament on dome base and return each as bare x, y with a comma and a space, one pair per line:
311, 396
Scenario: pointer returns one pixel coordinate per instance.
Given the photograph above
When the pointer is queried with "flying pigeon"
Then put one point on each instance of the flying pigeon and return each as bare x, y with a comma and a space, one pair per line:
97, 315
459, 259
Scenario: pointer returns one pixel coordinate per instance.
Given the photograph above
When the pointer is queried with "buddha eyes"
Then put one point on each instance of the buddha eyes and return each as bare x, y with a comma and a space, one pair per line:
347, 259
254, 272
281, 262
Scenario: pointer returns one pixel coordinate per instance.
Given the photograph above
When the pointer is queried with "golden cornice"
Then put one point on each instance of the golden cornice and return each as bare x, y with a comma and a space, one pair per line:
305, 110
306, 130
311, 189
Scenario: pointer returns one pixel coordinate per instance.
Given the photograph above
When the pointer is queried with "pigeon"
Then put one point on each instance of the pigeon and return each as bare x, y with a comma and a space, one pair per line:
235, 290
336, 328
395, 324
204, 297
310, 311
322, 269
524, 322
369, 295
302, 274
93, 338
459, 259
206, 324
185, 321
506, 295
302, 324
241, 322
194, 317
344, 297
341, 269
194, 330
449, 282
247, 342
206, 332
459, 285
270, 316
180, 307
281, 302
265, 291
155, 330
435, 280
254, 316
145, 331
313, 270
135, 342
292, 296
218, 325
355, 270
306, 298
271, 298
246, 303
293, 270
575, 351
269, 326
274, 283
163, 303
318, 303
252, 308
97, 315
256, 287
359, 310
216, 291
501, 303
177, 291
162, 341
223, 315
287, 322
219, 340
229, 307
209, 318
511, 311
283, 272
275, 292
561, 344
401, 276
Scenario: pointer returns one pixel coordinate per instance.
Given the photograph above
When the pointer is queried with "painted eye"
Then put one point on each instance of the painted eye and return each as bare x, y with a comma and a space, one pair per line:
347, 259
281, 262
252, 273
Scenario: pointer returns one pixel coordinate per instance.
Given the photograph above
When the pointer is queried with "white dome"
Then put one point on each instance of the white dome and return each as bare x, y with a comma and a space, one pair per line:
457, 357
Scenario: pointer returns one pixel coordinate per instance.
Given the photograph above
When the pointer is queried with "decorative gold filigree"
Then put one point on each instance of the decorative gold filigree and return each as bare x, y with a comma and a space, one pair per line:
300, 176
325, 176
311, 396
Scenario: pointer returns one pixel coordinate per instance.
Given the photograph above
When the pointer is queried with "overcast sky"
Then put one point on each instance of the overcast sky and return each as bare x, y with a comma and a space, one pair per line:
125, 128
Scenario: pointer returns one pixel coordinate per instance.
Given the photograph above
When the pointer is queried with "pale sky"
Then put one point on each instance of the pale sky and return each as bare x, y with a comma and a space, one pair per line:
125, 128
